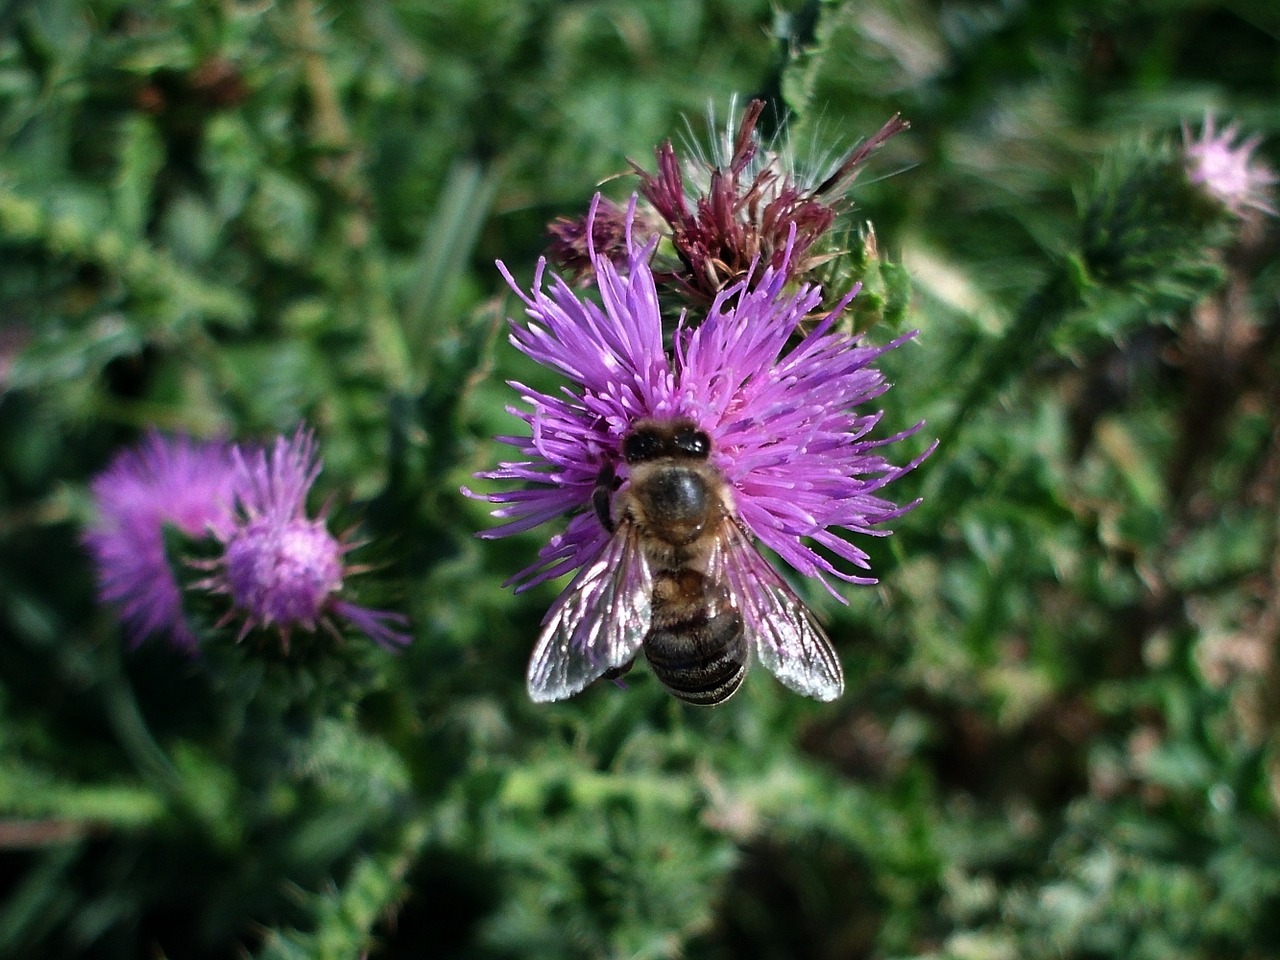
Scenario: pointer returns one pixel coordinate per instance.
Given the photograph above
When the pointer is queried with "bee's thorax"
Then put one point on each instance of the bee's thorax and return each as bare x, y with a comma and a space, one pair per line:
675, 504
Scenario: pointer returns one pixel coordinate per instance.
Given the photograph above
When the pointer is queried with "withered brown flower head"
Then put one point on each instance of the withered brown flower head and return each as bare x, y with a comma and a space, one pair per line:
723, 209
572, 251
739, 204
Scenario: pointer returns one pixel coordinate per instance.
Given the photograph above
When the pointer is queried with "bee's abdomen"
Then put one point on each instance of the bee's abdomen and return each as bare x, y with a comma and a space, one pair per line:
696, 644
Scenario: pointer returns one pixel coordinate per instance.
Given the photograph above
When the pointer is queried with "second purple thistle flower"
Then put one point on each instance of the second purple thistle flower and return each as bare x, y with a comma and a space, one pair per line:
673, 462
282, 568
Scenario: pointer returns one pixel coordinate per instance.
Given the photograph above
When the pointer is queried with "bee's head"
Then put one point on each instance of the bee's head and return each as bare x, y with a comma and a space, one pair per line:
651, 440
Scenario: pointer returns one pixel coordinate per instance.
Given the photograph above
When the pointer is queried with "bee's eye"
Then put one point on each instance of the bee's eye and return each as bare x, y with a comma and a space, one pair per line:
641, 446
693, 442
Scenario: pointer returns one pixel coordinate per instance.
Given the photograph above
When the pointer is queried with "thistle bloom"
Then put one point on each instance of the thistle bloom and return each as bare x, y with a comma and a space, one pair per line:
800, 463
280, 568
1226, 170
164, 481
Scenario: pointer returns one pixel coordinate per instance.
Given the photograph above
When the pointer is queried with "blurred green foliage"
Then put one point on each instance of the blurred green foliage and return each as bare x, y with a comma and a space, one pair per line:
1059, 734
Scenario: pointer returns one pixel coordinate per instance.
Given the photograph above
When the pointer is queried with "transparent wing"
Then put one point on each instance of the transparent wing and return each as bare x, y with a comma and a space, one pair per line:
785, 635
597, 624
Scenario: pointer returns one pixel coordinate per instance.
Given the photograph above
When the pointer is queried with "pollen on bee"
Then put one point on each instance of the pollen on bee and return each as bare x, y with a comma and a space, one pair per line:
677, 585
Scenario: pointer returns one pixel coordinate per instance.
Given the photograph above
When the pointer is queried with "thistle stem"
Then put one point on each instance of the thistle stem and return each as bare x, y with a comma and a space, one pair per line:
131, 729
1035, 320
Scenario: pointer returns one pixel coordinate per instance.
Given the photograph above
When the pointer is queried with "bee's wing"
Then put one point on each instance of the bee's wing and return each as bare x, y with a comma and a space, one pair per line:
597, 624
785, 635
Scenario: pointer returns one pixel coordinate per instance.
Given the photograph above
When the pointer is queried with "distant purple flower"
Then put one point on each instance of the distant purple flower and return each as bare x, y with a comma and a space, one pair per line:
280, 568
13, 339
784, 435
164, 481
1227, 171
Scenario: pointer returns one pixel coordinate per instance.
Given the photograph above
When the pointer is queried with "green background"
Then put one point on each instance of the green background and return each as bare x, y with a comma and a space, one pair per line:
1058, 736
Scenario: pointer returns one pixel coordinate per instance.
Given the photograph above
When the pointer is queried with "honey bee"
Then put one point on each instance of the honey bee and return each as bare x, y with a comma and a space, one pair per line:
680, 579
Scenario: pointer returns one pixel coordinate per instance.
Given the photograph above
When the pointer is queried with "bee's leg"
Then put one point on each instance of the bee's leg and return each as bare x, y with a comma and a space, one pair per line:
602, 496
617, 673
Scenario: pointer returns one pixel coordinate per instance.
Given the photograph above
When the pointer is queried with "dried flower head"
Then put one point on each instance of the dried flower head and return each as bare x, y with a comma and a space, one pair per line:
279, 567
574, 246
798, 463
743, 202
164, 481
1226, 170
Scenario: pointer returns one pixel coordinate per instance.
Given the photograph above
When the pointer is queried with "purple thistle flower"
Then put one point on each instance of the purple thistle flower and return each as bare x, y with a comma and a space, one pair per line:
798, 462
1227, 171
177, 481
279, 567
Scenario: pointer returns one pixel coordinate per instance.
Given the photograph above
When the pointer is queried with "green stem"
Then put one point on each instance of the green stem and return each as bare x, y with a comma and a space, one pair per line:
131, 729
1035, 320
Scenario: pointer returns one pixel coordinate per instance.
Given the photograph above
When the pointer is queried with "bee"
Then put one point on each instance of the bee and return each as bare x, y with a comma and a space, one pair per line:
681, 580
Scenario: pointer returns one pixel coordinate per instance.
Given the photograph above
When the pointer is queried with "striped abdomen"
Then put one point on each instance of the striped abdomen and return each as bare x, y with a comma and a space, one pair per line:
696, 644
